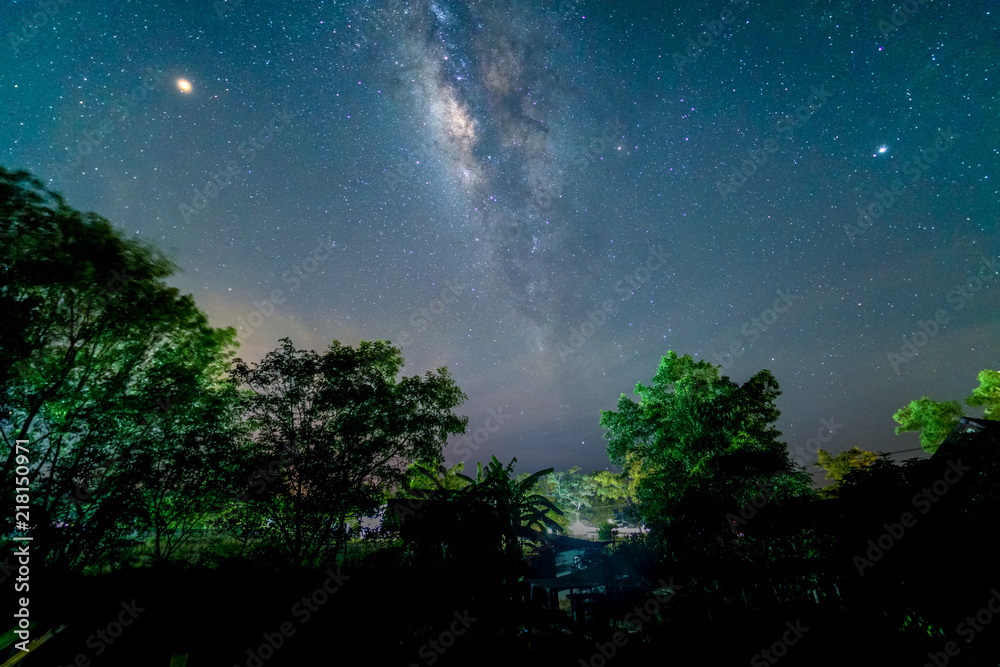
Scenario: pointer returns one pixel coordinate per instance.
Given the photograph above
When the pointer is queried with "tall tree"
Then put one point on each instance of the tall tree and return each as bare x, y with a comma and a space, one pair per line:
333, 435
89, 319
696, 445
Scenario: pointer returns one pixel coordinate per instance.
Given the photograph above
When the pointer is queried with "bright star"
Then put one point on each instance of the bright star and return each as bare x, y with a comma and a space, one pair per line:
883, 149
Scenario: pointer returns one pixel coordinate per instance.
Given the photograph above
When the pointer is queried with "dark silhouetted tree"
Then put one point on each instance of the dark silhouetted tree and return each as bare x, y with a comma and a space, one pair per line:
333, 435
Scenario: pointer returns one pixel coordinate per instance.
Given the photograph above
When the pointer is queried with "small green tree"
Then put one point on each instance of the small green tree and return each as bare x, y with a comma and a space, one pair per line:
333, 435
934, 420
570, 490
423, 477
613, 488
987, 394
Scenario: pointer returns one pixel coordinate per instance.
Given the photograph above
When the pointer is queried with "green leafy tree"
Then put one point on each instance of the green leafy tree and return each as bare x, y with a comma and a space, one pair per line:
187, 471
987, 394
449, 478
522, 511
333, 435
90, 329
696, 445
570, 491
611, 487
934, 420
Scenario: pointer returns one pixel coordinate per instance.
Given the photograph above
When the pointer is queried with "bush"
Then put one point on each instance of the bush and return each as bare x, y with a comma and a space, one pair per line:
604, 532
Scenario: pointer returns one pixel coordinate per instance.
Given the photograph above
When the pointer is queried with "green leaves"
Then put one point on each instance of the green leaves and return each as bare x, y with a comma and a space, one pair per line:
97, 341
987, 394
695, 443
934, 420
341, 434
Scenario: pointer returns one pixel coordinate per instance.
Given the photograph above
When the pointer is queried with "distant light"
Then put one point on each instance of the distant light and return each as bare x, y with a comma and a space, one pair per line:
883, 149
184, 85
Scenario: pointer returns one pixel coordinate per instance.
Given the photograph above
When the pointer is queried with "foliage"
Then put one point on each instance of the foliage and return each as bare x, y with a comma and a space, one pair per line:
101, 362
837, 467
421, 477
569, 490
696, 445
522, 512
614, 488
987, 394
333, 435
934, 420
605, 530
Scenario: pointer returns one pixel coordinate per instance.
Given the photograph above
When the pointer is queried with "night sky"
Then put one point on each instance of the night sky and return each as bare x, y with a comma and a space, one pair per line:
547, 197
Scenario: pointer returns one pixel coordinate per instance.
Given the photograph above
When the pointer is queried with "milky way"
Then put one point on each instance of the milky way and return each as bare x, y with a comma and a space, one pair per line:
498, 98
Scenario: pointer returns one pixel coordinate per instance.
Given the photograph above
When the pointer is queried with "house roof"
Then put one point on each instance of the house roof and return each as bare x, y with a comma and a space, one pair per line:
967, 425
567, 543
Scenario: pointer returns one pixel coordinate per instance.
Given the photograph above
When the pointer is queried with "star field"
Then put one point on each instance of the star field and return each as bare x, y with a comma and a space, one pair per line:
546, 197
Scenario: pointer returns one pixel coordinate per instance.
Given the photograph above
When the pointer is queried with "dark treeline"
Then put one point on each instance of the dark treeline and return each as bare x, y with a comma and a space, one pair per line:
188, 508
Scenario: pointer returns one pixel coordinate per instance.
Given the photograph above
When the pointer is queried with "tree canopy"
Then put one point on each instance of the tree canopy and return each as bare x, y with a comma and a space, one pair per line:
101, 362
334, 435
697, 443
934, 420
